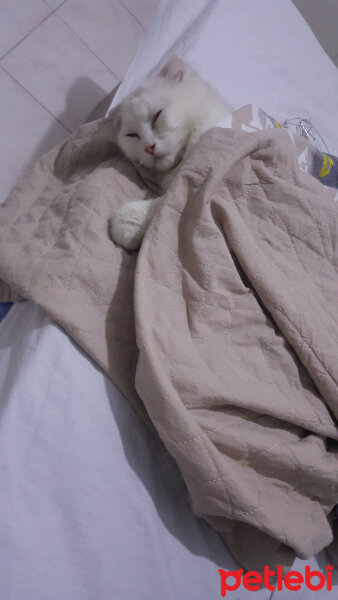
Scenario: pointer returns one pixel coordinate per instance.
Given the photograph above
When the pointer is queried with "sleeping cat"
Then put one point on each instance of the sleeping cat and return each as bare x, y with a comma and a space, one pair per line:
157, 126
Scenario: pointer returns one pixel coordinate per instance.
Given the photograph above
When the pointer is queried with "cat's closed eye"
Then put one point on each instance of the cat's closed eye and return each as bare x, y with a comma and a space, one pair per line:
156, 117
135, 135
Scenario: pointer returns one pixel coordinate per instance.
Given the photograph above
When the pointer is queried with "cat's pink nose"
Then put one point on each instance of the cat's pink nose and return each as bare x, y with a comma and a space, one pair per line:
150, 149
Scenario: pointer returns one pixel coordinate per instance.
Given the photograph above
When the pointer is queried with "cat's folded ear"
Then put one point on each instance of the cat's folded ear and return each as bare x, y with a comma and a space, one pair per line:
174, 70
115, 120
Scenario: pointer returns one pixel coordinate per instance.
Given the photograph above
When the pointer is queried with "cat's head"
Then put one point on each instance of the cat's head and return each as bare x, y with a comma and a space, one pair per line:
155, 121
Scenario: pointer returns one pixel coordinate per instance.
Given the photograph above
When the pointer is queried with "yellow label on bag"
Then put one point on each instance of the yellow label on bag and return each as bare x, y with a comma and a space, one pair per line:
326, 166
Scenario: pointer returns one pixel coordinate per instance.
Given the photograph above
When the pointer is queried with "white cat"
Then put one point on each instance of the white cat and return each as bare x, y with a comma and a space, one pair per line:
158, 126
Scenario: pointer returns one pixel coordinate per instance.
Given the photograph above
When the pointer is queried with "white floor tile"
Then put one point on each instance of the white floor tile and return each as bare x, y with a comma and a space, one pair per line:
26, 130
55, 3
58, 69
143, 10
107, 27
18, 18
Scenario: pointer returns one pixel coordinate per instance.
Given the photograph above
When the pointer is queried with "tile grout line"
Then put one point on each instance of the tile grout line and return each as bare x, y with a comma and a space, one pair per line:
55, 12
36, 99
85, 44
34, 28
134, 17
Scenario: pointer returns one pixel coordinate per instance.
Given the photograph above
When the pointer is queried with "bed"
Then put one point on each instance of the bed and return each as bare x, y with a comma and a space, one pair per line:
92, 506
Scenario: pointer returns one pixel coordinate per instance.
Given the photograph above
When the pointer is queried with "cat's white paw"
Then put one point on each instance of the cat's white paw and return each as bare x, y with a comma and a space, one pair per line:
129, 224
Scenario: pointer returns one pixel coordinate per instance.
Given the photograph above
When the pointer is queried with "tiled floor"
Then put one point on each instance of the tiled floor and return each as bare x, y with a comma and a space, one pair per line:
58, 59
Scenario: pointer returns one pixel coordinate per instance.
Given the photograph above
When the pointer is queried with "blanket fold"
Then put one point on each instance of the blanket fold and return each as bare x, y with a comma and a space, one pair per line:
223, 330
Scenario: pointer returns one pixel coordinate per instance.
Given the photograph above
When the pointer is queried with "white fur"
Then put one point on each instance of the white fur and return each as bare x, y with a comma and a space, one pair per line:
130, 222
189, 107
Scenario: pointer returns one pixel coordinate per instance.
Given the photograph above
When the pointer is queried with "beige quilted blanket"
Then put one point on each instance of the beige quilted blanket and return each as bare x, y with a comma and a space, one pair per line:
233, 298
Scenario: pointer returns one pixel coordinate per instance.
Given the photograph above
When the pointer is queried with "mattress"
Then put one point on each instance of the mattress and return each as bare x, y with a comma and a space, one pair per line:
88, 499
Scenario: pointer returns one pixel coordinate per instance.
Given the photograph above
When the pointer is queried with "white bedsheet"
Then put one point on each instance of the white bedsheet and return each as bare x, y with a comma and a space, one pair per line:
91, 507
254, 52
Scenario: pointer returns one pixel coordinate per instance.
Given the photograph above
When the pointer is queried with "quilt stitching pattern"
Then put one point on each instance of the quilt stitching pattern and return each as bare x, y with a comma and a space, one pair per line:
227, 335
